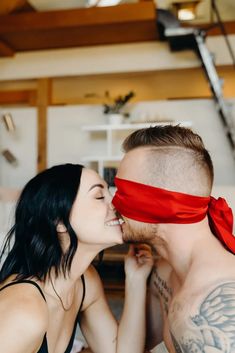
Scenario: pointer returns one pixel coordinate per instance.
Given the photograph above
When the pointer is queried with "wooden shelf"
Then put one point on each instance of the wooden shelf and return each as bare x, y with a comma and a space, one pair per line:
78, 27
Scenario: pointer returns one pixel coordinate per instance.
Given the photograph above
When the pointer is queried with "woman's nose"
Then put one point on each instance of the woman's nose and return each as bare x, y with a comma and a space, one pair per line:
110, 199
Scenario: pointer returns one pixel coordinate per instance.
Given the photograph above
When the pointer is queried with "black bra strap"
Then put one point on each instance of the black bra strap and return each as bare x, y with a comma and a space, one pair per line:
84, 291
40, 290
25, 281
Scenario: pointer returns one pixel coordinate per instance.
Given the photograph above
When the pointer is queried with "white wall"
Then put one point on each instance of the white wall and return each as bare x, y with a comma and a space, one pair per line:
67, 143
205, 121
107, 59
22, 143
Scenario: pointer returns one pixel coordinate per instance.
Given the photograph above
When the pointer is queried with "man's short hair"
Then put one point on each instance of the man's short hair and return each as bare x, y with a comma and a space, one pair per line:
174, 149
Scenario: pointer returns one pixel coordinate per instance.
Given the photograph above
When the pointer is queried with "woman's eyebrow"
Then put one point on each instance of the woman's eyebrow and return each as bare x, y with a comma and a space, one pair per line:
96, 185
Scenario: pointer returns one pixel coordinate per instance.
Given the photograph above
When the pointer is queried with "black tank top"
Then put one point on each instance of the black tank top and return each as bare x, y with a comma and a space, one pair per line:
44, 346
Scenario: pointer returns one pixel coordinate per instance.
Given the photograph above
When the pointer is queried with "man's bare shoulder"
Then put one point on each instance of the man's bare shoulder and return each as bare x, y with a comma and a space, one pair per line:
204, 322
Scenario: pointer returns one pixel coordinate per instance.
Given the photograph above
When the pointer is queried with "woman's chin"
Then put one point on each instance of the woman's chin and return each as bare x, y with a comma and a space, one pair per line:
119, 240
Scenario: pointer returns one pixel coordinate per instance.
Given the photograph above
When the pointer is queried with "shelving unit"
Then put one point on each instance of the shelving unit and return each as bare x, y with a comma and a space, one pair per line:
109, 130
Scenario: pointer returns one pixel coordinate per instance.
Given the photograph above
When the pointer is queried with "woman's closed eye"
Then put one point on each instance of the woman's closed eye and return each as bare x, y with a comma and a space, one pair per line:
99, 197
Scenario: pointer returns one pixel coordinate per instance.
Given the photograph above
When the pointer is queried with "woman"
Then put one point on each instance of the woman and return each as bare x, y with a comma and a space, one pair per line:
63, 219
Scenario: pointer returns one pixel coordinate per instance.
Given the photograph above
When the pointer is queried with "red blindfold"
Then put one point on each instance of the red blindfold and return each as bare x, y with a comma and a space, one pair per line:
150, 204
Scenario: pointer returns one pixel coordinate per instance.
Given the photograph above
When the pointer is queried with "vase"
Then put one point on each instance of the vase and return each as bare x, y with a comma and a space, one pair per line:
115, 119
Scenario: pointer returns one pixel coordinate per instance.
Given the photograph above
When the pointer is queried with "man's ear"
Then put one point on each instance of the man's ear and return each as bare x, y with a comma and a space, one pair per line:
60, 228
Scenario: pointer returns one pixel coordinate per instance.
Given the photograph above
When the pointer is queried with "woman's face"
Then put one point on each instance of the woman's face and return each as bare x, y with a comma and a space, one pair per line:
93, 216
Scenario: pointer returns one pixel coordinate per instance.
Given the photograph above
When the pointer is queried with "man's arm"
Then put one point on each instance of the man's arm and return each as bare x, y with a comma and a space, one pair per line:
154, 331
158, 302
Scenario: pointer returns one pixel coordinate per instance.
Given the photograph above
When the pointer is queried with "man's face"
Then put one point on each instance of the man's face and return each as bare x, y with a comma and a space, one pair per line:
131, 168
137, 232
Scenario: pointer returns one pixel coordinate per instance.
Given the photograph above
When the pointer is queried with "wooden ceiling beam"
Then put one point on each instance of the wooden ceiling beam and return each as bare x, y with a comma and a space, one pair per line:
125, 23
125, 13
8, 6
216, 30
6, 50
213, 29
80, 27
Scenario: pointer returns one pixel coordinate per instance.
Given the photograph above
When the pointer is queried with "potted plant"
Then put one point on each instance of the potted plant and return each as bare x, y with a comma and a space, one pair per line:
115, 109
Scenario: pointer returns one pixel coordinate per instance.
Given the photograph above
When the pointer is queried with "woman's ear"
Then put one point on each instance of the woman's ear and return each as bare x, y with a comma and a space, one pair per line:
60, 228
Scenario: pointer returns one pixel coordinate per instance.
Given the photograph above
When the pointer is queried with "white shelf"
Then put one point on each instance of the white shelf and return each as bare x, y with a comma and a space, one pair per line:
110, 136
132, 126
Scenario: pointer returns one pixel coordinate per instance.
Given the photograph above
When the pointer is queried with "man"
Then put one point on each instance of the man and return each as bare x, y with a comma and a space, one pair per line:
163, 192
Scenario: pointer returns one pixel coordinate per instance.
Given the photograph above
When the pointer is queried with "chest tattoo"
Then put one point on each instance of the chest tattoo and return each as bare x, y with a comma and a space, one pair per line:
212, 328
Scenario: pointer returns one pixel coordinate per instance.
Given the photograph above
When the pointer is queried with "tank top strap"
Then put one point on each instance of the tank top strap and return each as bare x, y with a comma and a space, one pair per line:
84, 291
25, 281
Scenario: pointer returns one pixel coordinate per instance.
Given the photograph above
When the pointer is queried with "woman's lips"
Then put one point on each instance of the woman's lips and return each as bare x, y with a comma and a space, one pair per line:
115, 222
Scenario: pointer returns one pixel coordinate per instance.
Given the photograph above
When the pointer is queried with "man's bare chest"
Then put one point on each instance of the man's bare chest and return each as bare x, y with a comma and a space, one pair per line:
197, 321
204, 323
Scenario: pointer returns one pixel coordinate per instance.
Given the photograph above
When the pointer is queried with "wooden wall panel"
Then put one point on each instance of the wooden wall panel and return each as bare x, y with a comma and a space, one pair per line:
43, 100
157, 85
90, 89
18, 85
18, 97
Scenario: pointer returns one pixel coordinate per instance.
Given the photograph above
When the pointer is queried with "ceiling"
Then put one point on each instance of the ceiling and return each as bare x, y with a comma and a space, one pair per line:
204, 9
24, 29
43, 24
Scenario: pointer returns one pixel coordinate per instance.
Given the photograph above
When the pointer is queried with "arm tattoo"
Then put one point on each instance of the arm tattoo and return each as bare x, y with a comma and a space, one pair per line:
212, 330
163, 289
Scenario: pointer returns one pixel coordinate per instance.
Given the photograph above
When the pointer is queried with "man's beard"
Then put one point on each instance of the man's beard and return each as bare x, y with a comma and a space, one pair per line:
138, 234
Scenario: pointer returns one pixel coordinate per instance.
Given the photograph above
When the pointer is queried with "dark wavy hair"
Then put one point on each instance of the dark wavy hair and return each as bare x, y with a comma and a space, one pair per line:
45, 201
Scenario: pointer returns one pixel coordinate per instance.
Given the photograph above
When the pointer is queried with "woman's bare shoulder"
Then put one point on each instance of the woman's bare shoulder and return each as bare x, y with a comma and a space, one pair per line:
24, 314
24, 301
